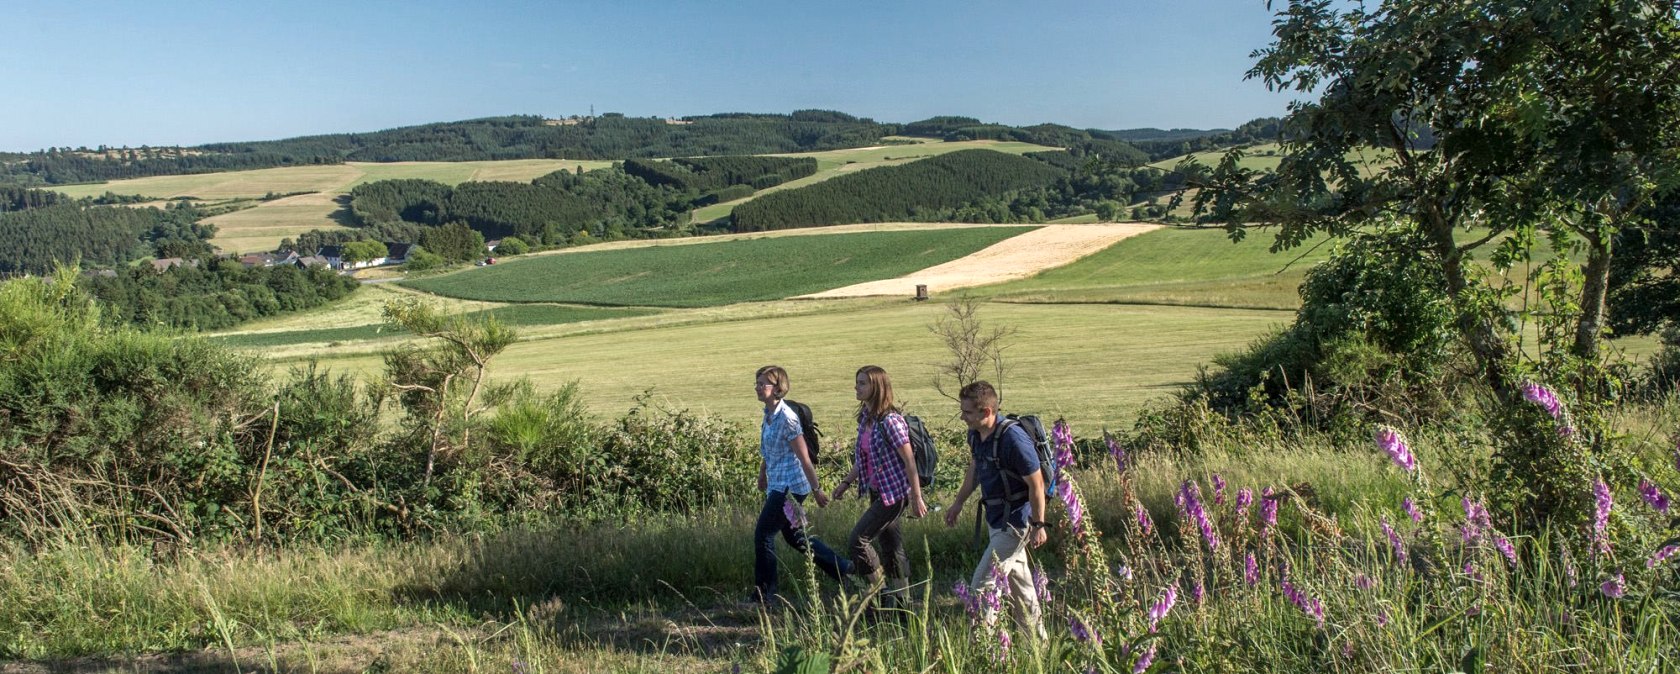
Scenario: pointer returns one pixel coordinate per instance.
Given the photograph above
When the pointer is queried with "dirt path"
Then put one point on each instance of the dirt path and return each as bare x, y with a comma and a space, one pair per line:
1019, 257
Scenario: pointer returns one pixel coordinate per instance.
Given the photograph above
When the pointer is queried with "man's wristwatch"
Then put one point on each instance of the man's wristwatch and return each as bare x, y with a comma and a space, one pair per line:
1038, 524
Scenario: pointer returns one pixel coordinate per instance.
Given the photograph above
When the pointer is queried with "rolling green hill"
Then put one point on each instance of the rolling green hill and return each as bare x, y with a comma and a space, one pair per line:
713, 274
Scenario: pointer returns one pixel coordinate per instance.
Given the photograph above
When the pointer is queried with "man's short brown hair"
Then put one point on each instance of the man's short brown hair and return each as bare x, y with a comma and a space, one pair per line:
980, 393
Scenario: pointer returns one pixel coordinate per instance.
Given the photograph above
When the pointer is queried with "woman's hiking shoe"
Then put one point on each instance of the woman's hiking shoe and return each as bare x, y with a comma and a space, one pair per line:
756, 598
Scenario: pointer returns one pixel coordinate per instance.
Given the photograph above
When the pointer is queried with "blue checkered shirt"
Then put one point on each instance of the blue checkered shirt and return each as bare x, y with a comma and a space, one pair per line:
782, 470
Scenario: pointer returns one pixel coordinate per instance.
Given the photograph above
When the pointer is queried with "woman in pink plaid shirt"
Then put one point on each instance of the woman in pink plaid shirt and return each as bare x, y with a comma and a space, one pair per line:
884, 466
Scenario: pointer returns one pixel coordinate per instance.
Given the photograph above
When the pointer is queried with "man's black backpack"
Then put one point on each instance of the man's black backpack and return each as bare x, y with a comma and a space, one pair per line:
1014, 484
807, 427
1046, 456
922, 447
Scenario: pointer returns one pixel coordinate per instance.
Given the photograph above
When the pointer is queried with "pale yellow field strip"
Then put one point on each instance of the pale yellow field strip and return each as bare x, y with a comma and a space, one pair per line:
1014, 258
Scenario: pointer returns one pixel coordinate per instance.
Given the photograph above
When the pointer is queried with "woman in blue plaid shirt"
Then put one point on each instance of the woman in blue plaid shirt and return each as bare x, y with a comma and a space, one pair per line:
786, 477
885, 466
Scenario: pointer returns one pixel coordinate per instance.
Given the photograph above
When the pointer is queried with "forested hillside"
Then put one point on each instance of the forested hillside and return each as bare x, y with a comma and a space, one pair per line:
214, 293
609, 136
35, 240
923, 190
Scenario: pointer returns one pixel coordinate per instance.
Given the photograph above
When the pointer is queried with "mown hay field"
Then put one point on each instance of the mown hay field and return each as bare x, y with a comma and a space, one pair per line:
1093, 363
714, 274
515, 315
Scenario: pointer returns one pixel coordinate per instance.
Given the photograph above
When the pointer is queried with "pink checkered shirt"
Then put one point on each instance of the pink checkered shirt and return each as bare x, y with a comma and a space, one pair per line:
880, 469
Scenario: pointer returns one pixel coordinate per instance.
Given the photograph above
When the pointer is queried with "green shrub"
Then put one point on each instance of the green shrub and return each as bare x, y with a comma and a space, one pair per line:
512, 245
420, 259
1373, 333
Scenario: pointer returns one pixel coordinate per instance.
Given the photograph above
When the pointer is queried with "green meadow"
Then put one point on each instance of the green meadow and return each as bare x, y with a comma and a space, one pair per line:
712, 274
1183, 266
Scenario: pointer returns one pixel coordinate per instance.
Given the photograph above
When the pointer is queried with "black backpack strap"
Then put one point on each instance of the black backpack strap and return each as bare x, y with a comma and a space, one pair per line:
1011, 495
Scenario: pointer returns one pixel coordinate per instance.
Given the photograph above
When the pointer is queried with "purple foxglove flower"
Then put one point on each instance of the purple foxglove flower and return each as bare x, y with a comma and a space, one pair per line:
795, 514
1163, 606
1145, 523
1470, 570
1003, 644
1394, 540
1504, 546
1000, 580
1477, 521
1197, 592
1363, 582
1382, 617
1190, 505
1661, 556
1145, 659
1041, 584
1062, 437
1251, 570
1394, 444
1308, 605
969, 601
1075, 505
1601, 517
1245, 497
1542, 396
1218, 490
1411, 509
1268, 509
1653, 496
1569, 573
1123, 572
1116, 450
1081, 633
1614, 588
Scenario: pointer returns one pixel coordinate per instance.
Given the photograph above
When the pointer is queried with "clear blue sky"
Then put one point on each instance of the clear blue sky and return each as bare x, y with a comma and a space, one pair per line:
184, 73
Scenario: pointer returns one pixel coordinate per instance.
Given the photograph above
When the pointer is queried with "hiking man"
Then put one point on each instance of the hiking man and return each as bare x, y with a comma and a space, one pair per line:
1003, 462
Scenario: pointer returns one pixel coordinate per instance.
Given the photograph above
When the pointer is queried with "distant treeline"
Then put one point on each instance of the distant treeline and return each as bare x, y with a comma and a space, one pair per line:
929, 189
610, 136
1262, 130
214, 293
633, 200
36, 239
707, 174
1090, 186
1107, 145
551, 210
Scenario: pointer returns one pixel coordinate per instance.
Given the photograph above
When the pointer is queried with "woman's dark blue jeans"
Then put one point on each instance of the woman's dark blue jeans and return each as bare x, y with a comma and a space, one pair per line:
771, 521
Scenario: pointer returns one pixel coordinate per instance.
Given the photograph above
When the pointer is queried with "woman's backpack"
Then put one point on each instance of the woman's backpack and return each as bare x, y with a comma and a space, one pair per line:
807, 427
922, 447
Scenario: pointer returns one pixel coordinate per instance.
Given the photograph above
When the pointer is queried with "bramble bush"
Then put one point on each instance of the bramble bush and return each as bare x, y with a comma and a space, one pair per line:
111, 433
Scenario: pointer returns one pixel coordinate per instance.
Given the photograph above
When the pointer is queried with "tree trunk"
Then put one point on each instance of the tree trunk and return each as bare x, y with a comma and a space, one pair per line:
1478, 331
1593, 292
